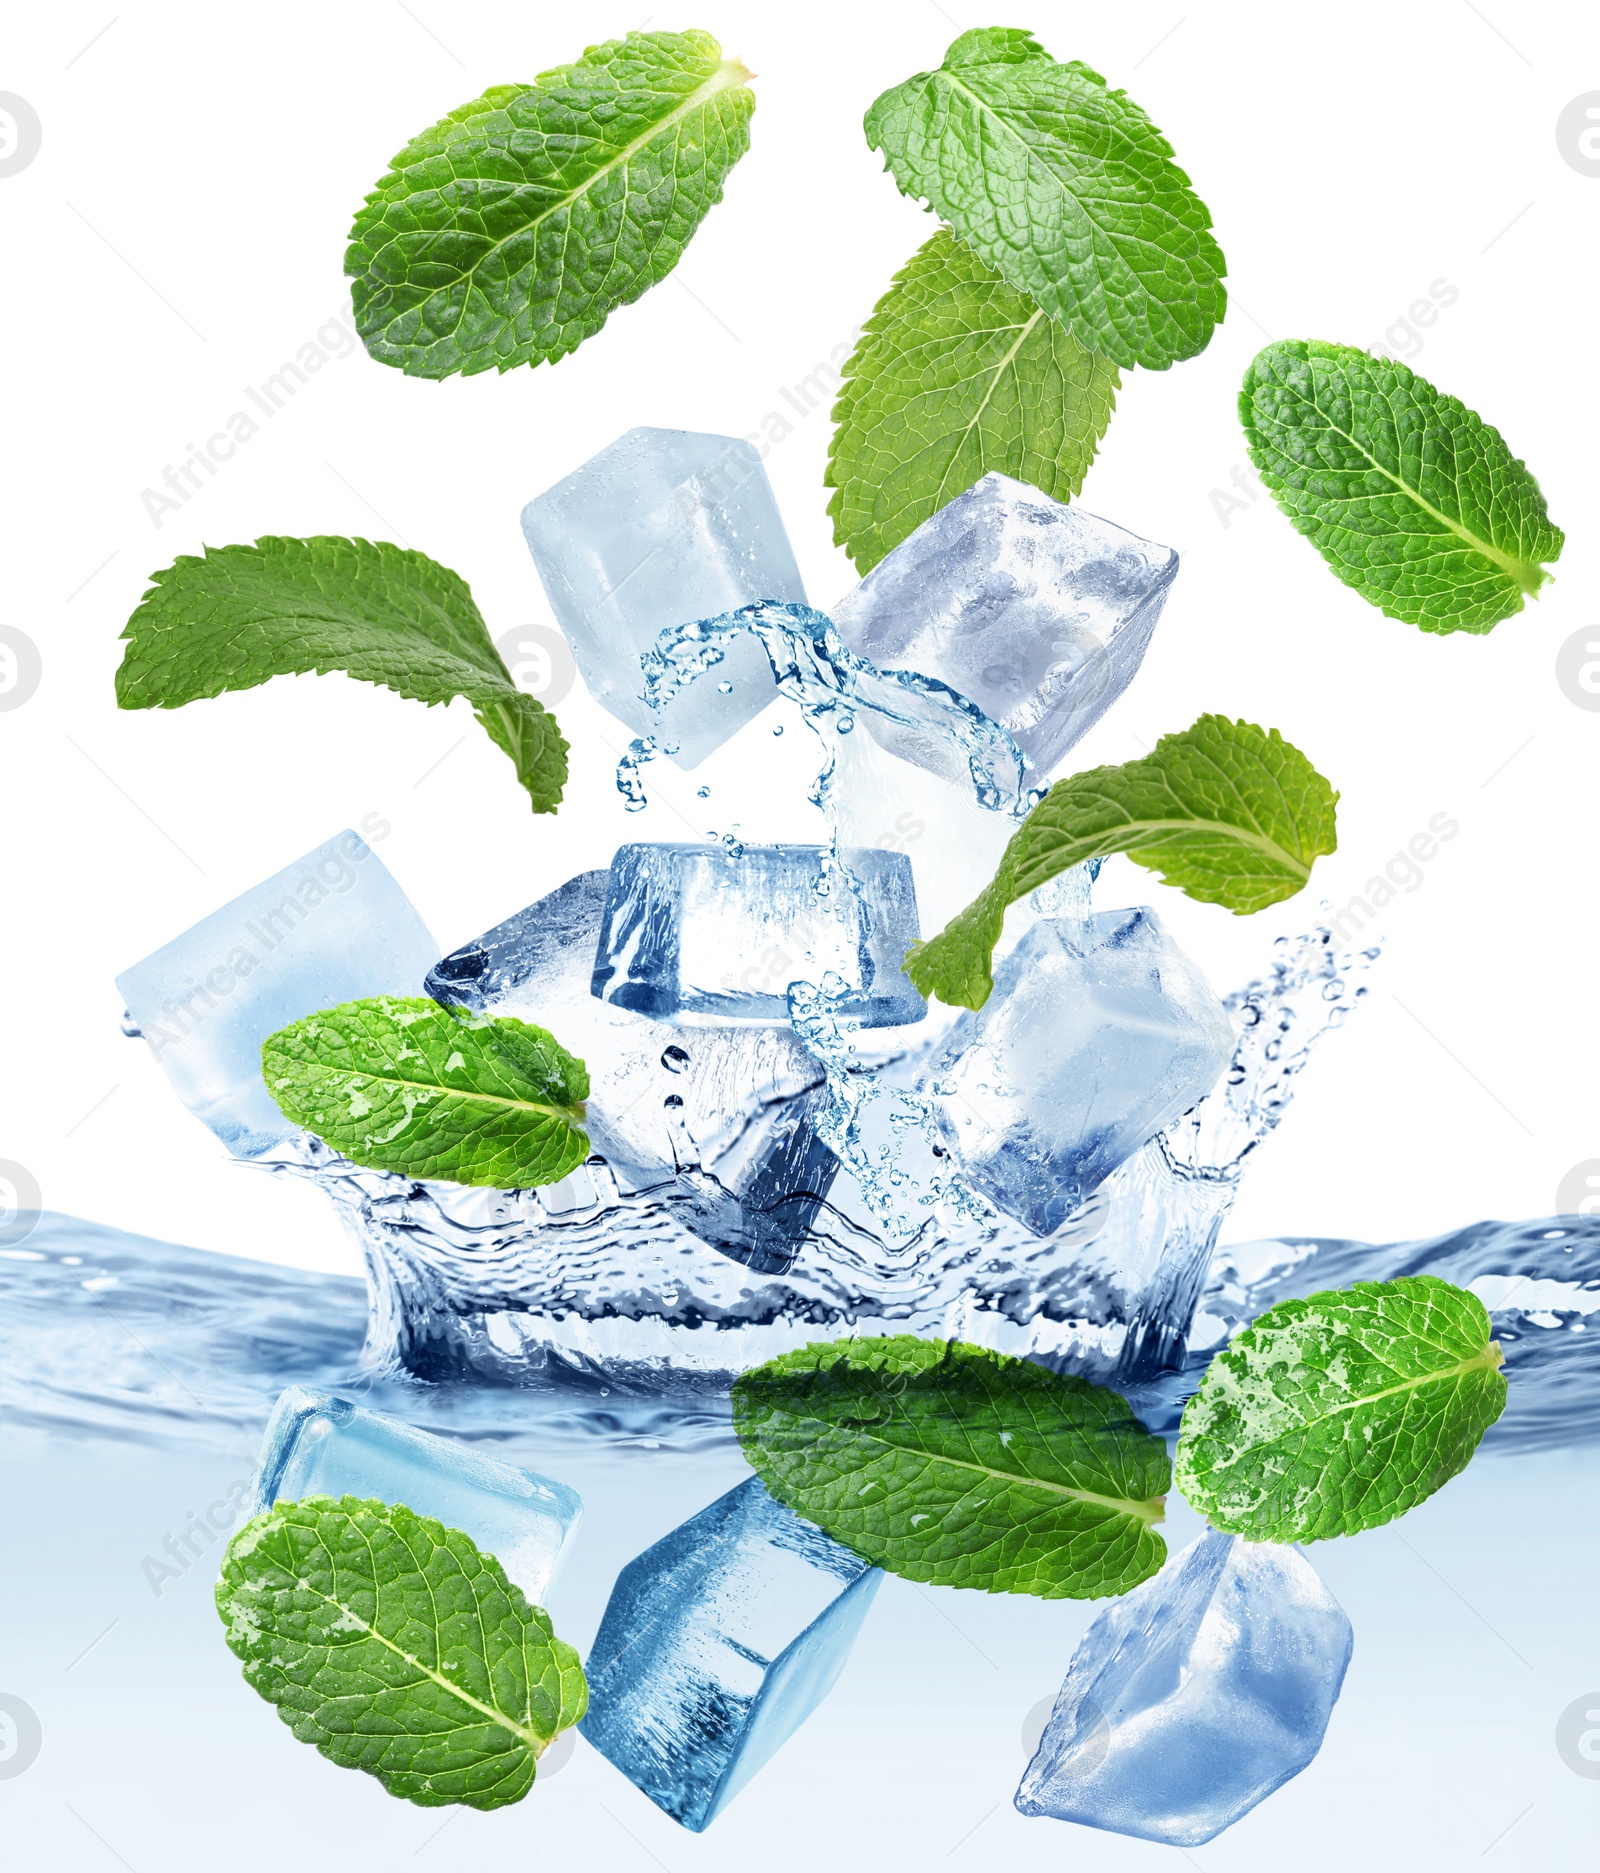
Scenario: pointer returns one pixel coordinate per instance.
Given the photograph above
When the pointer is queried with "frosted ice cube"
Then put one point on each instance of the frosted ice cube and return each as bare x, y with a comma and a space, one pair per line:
716, 1645
1194, 1697
664, 527
318, 1444
1097, 1035
693, 933
740, 1103
1039, 613
332, 927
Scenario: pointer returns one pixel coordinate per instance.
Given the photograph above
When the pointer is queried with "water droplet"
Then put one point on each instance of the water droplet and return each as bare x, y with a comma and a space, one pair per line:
702, 793
675, 1059
673, 1102
778, 730
725, 689
845, 724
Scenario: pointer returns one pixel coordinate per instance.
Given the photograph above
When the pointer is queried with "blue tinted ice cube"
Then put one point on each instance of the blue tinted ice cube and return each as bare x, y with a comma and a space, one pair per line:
731, 1113
318, 1444
664, 527
1193, 1698
1097, 1035
716, 1645
332, 927
1039, 613
694, 933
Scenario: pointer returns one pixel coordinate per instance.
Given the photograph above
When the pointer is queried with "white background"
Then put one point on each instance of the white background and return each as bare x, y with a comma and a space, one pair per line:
181, 234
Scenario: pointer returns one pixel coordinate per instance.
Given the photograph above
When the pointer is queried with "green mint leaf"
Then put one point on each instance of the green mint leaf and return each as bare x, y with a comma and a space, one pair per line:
957, 374
512, 230
1408, 495
1229, 813
397, 1646
405, 1085
241, 615
1341, 1411
958, 1466
1065, 188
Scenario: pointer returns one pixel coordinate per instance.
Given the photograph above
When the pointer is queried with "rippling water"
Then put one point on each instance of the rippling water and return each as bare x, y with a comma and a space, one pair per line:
119, 1336
592, 1282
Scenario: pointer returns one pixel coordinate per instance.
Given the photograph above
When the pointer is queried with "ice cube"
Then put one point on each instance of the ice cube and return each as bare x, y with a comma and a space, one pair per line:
318, 1444
1096, 1036
332, 927
741, 1104
694, 933
1194, 1697
1039, 613
664, 527
716, 1645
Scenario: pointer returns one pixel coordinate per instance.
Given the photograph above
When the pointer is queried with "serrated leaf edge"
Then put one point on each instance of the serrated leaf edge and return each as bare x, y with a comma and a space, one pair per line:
1530, 578
1164, 148
1138, 839
728, 76
252, 1540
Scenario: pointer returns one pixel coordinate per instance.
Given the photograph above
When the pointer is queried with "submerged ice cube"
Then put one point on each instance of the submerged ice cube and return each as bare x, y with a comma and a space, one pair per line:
664, 527
1097, 1035
1040, 614
1193, 1698
318, 1444
332, 927
716, 1645
735, 1106
693, 933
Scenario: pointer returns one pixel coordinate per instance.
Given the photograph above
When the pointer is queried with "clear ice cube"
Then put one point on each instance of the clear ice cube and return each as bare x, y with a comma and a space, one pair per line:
696, 933
737, 1105
318, 1444
1194, 1697
664, 527
1096, 1036
716, 1645
332, 927
1040, 614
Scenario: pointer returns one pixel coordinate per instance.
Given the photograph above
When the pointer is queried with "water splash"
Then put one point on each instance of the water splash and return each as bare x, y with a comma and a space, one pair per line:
116, 1336
1539, 1280
885, 1131
884, 1117
645, 1286
814, 667
597, 1282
